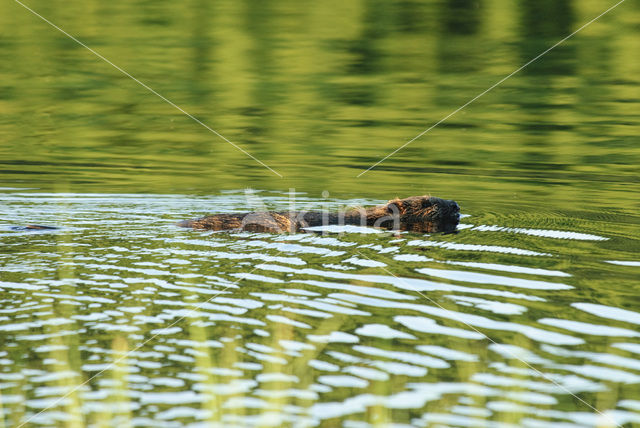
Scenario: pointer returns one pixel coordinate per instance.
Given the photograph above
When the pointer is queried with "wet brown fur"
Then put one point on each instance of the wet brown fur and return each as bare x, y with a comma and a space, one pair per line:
417, 214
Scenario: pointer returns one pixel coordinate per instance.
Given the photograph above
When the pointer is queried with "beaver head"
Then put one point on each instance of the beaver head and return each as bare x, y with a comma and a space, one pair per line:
424, 213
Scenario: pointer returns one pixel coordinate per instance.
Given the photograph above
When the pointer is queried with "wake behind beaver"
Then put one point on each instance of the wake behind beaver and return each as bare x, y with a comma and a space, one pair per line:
426, 214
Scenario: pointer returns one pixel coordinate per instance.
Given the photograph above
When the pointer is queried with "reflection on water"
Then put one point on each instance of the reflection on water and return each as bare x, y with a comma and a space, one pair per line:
329, 87
494, 325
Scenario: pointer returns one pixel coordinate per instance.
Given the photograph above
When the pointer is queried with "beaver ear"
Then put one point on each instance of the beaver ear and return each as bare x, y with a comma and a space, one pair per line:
427, 202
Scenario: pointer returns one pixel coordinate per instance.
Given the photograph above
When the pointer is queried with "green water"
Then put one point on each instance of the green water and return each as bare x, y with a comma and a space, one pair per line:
320, 93
308, 330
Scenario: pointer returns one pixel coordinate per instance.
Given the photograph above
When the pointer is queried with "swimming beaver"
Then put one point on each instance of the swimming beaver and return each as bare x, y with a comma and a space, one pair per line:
415, 214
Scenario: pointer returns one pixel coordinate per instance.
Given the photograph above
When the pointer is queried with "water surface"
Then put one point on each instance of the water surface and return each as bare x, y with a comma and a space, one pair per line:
522, 326
528, 316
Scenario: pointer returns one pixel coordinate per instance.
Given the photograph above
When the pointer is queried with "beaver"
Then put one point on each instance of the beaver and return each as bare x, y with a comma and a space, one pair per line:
415, 214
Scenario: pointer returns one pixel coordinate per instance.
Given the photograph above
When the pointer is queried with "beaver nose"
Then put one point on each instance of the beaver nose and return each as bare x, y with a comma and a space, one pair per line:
455, 206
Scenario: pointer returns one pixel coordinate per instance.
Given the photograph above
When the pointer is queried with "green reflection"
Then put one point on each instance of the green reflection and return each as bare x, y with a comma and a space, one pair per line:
320, 93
